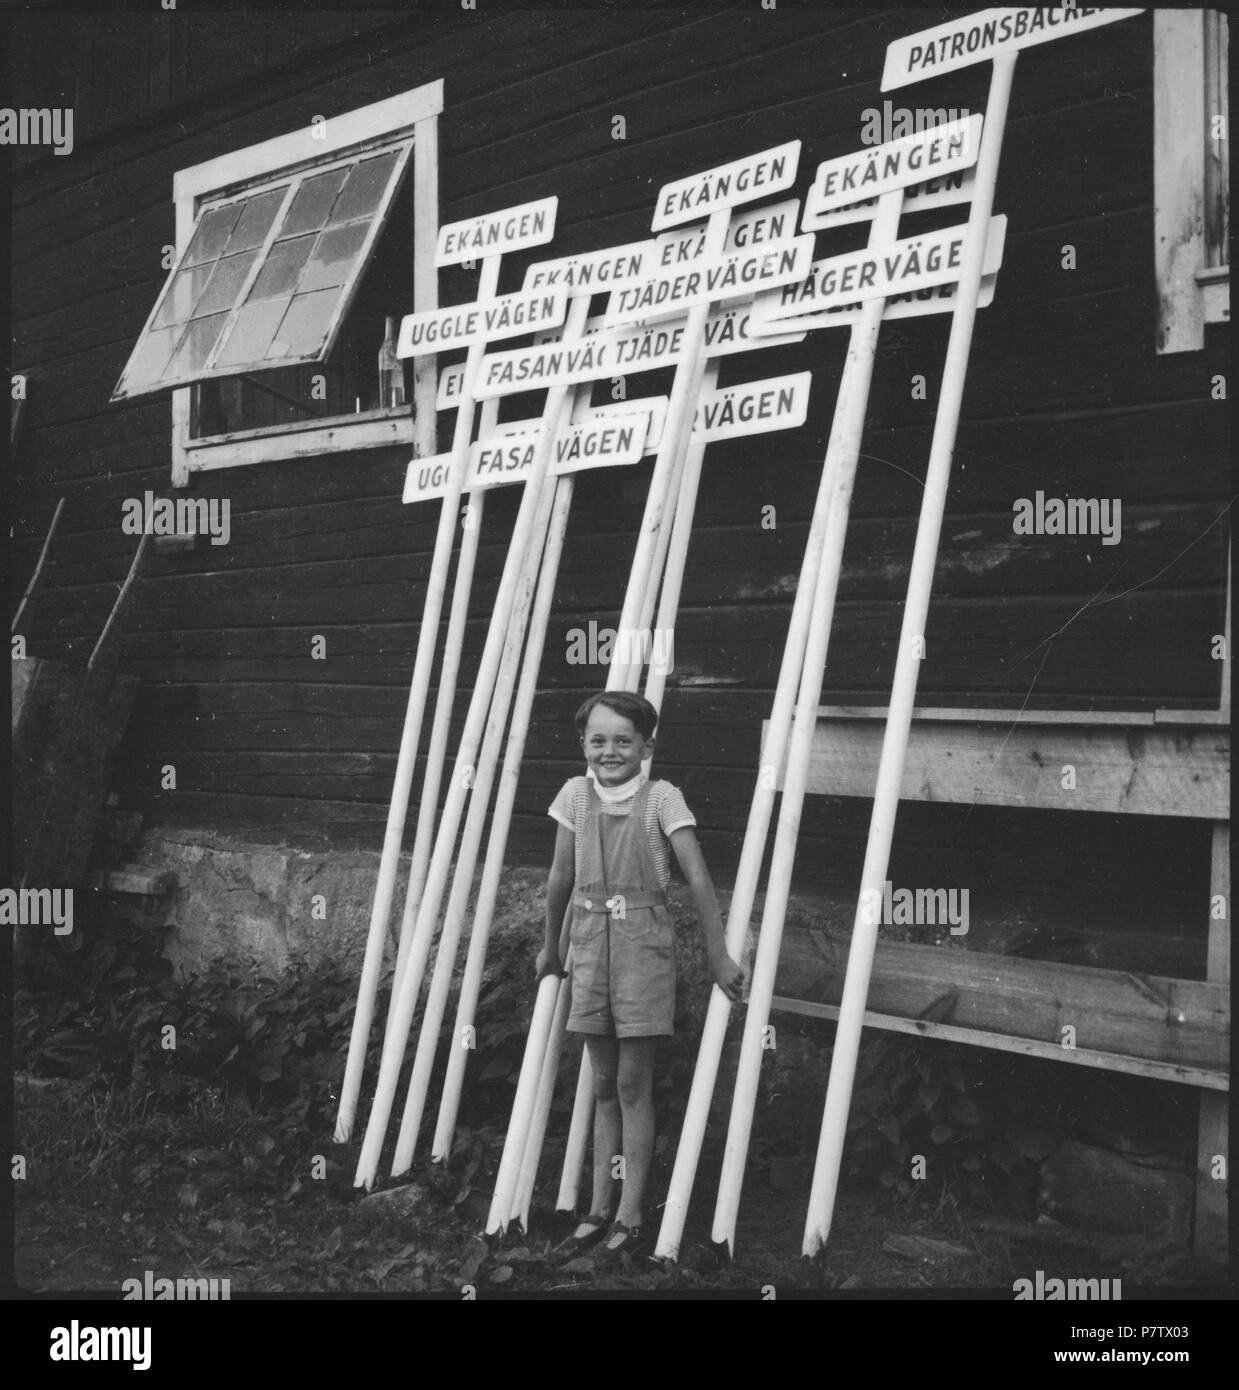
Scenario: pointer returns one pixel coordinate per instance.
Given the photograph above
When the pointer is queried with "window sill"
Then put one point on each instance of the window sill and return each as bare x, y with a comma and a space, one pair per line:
373, 429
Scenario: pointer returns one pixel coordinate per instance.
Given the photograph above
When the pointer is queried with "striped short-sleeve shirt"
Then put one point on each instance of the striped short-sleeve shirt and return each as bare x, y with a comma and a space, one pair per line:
665, 811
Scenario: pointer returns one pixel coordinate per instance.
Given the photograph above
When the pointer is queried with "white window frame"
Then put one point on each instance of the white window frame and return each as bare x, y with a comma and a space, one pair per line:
1193, 280
414, 112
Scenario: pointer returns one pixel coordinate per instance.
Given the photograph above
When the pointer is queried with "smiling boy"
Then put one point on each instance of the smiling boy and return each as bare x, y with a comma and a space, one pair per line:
612, 864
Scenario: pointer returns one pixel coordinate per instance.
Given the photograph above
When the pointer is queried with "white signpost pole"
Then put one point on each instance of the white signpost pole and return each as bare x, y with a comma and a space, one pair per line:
582, 275
530, 224
952, 148
804, 670
462, 1032
843, 451
998, 34
679, 419
713, 192
404, 1004
767, 224
548, 534
466, 861
750, 399
436, 753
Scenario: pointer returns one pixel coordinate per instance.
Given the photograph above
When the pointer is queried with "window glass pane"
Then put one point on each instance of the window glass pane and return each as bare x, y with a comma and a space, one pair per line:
297, 282
150, 357
305, 325
364, 188
196, 346
212, 234
335, 256
280, 270
256, 220
225, 284
252, 333
312, 202
183, 294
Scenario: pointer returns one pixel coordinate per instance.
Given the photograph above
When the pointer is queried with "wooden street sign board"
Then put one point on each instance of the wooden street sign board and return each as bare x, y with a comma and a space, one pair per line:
639, 348
948, 191
730, 276
938, 299
656, 406
497, 233
742, 181
508, 458
771, 222
616, 267
914, 263
653, 406
594, 270
617, 434
911, 159
987, 34
508, 316
756, 407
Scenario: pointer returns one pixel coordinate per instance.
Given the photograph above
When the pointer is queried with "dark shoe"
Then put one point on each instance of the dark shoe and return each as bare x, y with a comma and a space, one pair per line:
630, 1242
575, 1245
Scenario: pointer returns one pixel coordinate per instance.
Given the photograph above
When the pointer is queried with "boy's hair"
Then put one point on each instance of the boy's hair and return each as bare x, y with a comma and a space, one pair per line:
636, 708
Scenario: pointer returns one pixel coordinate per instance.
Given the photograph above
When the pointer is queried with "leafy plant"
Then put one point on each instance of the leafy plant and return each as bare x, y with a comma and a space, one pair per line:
971, 1115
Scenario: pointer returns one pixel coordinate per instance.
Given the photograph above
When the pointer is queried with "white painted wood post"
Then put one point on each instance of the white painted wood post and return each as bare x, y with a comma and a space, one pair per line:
907, 668
440, 729
406, 760
464, 770
542, 568
823, 555
676, 433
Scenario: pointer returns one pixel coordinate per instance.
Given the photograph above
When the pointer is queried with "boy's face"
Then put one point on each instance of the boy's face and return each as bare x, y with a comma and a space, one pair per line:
613, 747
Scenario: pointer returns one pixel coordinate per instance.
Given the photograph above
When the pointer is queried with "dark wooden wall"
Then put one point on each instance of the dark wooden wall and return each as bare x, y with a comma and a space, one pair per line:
1066, 394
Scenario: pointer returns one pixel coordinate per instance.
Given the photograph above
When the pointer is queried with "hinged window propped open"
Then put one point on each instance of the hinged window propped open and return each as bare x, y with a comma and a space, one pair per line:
267, 275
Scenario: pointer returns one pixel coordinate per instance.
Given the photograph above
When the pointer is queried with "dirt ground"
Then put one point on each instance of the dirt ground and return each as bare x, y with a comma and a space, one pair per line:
216, 1160
104, 1201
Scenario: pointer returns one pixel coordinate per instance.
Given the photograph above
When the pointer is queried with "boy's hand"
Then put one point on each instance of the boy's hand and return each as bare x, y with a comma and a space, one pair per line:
727, 975
549, 964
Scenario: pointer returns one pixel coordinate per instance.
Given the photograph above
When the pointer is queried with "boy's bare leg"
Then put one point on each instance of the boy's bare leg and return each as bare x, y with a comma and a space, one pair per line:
635, 1086
603, 1059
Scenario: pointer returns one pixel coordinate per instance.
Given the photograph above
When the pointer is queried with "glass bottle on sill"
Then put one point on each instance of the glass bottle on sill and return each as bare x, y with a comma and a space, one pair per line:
391, 369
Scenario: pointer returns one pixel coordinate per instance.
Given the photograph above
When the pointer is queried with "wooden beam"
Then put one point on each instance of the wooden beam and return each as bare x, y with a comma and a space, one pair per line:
1213, 1132
1030, 1047
1177, 1023
1114, 719
1179, 177
1160, 770
425, 275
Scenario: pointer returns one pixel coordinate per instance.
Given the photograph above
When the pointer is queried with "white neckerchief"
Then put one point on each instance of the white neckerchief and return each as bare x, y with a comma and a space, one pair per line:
624, 792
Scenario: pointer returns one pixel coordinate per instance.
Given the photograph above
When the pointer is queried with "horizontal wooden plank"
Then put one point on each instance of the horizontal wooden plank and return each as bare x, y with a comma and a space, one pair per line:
1157, 771
1158, 547
1154, 646
1180, 1022
1028, 1047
